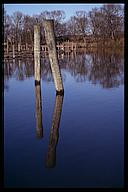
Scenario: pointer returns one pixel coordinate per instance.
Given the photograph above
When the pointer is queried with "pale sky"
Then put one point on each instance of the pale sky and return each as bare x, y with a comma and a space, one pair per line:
32, 9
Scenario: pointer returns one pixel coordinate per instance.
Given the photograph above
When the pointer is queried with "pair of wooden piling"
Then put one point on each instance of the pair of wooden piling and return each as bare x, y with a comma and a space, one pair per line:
50, 40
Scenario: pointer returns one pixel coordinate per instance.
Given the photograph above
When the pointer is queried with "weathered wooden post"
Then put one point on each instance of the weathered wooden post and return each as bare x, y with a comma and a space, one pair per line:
75, 46
7, 47
72, 46
62, 55
68, 46
37, 80
13, 50
72, 55
54, 133
38, 111
18, 47
26, 46
37, 53
68, 55
19, 63
85, 42
50, 40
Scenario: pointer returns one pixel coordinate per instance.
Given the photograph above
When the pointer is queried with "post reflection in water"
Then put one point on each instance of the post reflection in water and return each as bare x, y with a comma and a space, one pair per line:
38, 111
54, 132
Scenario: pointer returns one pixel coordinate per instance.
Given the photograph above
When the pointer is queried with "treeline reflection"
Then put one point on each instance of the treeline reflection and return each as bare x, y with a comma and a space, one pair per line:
104, 68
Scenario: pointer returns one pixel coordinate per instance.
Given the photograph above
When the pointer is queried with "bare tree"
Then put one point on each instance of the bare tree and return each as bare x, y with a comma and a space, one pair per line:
7, 26
114, 18
102, 23
28, 31
107, 22
17, 26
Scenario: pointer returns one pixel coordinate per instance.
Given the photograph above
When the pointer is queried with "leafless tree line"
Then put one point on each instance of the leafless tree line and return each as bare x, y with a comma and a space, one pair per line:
99, 23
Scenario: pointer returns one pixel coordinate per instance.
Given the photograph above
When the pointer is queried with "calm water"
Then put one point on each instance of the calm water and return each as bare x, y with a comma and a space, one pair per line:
71, 141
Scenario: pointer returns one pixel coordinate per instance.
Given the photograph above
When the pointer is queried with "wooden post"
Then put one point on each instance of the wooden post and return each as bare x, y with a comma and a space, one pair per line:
19, 63
18, 47
50, 40
13, 50
37, 53
54, 133
75, 56
72, 46
38, 111
85, 42
72, 54
68, 46
7, 47
68, 55
62, 55
13, 60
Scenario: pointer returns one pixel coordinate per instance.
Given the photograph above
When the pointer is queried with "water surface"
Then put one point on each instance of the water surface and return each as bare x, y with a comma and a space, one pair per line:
75, 140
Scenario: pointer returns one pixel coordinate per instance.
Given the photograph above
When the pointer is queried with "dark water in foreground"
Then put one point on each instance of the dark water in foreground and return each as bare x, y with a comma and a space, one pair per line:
81, 140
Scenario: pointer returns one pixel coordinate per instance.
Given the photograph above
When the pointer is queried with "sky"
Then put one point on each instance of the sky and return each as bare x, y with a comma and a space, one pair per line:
32, 9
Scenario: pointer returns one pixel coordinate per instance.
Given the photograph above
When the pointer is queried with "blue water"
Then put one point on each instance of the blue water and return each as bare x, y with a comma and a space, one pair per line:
90, 146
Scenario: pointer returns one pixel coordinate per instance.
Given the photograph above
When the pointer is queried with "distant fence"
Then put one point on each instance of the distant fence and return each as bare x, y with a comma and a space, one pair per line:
66, 46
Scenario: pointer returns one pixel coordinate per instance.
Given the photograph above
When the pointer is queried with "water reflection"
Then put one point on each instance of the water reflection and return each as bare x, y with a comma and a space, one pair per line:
54, 132
38, 111
100, 67
106, 70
